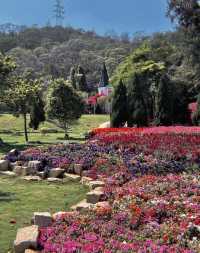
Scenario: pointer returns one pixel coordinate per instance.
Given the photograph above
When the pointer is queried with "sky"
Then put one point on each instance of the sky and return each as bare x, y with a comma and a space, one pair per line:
130, 16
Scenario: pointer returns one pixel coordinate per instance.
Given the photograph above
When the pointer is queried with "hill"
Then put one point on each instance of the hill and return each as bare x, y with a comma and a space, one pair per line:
52, 51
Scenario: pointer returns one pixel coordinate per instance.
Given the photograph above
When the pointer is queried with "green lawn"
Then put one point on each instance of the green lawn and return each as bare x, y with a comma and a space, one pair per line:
19, 199
11, 131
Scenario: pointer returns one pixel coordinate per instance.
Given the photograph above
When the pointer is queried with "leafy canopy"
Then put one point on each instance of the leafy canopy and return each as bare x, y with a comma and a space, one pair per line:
140, 62
63, 103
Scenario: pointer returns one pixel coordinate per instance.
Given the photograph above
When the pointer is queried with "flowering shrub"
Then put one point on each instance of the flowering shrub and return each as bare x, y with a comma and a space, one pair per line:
149, 214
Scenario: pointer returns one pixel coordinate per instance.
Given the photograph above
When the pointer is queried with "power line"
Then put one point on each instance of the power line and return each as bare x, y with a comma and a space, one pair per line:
59, 12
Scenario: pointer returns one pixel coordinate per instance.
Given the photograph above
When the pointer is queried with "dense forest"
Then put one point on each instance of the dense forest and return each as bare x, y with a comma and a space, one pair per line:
52, 51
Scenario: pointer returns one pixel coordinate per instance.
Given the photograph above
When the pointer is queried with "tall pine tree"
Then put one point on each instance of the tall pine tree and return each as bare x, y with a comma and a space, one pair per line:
37, 113
137, 111
164, 114
104, 81
73, 77
119, 106
196, 115
81, 79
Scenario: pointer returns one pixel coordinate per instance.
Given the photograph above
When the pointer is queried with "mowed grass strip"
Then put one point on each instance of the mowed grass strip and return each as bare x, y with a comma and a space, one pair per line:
11, 131
20, 199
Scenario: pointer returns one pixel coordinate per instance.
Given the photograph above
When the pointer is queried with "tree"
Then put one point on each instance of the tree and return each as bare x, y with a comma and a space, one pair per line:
104, 81
196, 115
37, 113
164, 107
81, 79
22, 97
7, 65
119, 106
136, 105
73, 77
64, 104
181, 101
186, 13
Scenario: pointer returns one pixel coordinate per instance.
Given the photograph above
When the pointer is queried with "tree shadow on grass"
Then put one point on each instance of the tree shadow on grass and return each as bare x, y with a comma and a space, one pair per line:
6, 147
7, 196
71, 139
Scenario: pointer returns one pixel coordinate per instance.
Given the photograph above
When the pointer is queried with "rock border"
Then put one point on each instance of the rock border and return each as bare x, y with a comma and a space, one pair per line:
27, 237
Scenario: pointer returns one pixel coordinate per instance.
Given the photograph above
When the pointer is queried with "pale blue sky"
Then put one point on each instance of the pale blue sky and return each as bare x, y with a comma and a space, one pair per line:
101, 15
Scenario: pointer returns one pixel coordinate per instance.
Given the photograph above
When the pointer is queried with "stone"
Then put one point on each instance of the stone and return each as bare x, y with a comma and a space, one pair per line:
96, 184
4, 165
86, 180
8, 173
99, 189
32, 178
84, 173
59, 215
105, 125
34, 166
21, 171
103, 204
27, 238
82, 206
71, 177
42, 219
13, 152
57, 172
41, 174
94, 196
78, 169
54, 180
31, 251
12, 166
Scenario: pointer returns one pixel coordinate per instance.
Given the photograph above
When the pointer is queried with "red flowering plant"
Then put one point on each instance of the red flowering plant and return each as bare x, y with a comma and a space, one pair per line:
149, 213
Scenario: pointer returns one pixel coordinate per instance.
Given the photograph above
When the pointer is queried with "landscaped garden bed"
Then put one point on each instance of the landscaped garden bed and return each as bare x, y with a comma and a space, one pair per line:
151, 198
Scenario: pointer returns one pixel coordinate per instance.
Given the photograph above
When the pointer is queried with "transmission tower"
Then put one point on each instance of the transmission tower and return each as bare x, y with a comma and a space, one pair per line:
59, 12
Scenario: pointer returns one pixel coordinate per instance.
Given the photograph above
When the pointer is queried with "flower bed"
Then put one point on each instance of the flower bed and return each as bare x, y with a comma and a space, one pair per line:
150, 214
133, 152
152, 181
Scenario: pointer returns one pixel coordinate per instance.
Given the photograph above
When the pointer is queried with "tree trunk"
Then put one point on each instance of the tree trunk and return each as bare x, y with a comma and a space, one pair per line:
66, 132
25, 128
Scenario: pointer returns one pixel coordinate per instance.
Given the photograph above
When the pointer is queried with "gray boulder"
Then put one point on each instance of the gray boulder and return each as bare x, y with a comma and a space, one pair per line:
27, 238
4, 165
42, 219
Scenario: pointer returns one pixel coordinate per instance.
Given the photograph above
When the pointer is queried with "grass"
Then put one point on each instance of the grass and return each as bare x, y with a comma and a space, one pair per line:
19, 199
11, 131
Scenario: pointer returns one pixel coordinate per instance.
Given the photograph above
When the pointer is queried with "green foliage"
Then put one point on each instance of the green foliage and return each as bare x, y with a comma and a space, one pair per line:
37, 113
119, 106
164, 114
23, 98
63, 103
104, 80
196, 115
7, 65
20, 96
186, 13
73, 77
81, 82
137, 109
181, 102
140, 62
52, 51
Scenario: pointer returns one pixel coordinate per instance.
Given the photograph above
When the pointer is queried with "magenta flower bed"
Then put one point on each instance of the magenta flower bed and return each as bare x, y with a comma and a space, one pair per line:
149, 214
153, 189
